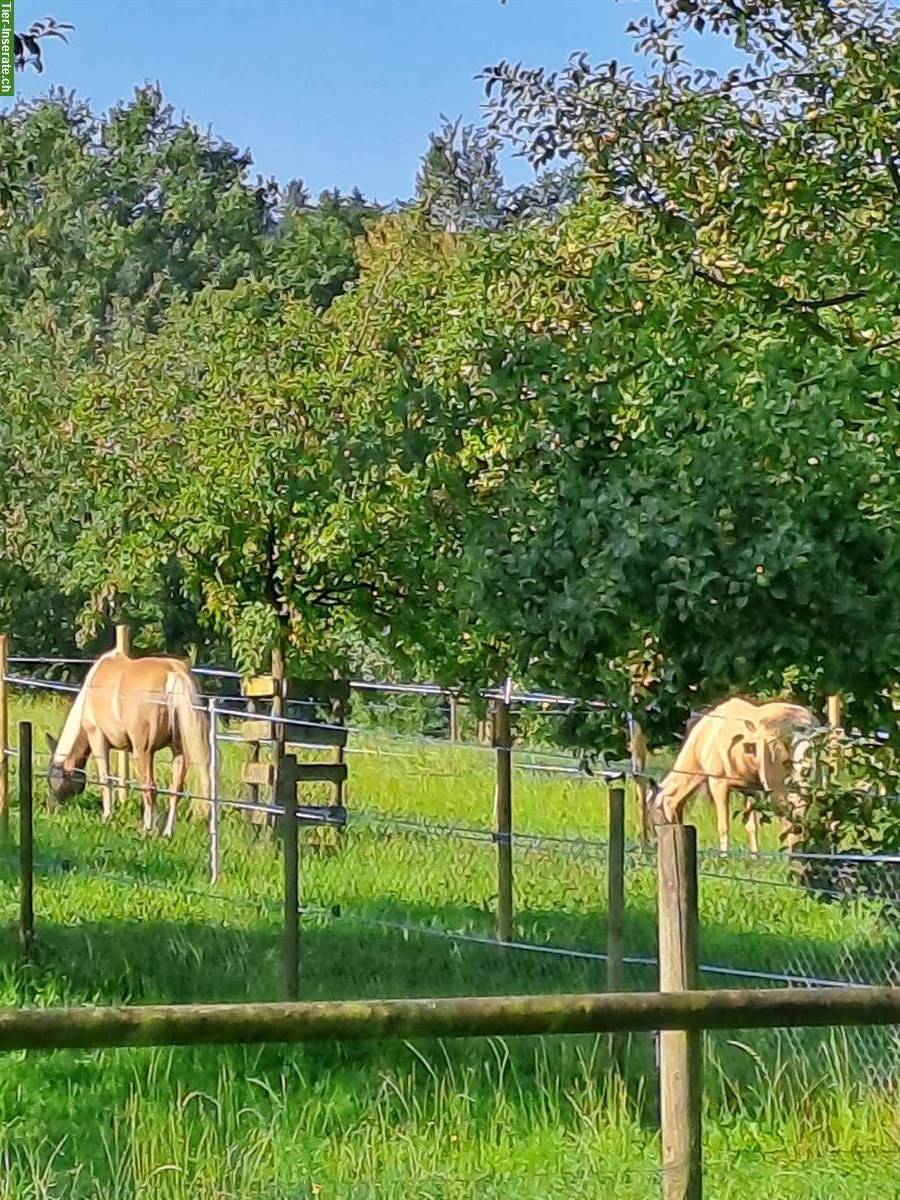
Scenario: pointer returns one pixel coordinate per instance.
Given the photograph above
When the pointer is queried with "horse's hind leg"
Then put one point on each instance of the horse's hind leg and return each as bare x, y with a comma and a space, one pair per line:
176, 787
147, 786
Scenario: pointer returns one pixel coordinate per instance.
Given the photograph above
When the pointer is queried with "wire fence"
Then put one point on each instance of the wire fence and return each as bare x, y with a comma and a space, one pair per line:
417, 861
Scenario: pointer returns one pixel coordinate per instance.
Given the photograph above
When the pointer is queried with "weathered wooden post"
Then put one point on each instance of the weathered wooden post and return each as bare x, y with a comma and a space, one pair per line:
255, 773
303, 734
277, 731
4, 741
339, 718
123, 645
286, 800
26, 840
503, 814
453, 701
253, 752
615, 912
835, 724
637, 749
680, 1052
213, 792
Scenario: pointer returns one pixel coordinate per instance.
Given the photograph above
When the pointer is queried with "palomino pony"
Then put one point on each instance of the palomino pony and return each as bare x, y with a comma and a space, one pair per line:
141, 705
744, 747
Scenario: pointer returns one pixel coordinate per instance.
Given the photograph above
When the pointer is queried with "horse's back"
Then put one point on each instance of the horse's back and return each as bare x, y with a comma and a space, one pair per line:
780, 714
710, 735
128, 699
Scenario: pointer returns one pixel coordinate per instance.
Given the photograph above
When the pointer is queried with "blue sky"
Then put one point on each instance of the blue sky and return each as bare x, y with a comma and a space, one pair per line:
336, 92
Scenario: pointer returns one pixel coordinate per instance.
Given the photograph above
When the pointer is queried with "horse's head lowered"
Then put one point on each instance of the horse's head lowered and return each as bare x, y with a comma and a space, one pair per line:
67, 778
653, 809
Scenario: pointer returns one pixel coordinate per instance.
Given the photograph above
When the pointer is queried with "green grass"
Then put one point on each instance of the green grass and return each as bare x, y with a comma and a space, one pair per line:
124, 918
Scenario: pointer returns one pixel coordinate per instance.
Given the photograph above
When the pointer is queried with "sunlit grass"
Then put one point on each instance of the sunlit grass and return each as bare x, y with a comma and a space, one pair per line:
126, 918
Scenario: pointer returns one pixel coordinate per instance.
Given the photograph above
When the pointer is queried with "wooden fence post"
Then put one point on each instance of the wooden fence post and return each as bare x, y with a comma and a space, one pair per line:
4, 741
453, 700
278, 731
286, 799
26, 840
680, 1053
278, 702
123, 645
503, 815
615, 907
835, 722
252, 789
338, 717
637, 749
213, 792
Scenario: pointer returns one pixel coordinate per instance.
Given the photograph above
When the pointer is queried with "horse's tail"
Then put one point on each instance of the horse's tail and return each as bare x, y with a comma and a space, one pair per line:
193, 731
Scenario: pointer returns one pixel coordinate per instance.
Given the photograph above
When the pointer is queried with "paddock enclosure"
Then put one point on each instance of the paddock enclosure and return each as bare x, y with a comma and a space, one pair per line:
437, 856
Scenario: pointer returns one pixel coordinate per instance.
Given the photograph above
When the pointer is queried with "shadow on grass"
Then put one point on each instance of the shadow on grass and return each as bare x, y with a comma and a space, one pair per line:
127, 961
232, 955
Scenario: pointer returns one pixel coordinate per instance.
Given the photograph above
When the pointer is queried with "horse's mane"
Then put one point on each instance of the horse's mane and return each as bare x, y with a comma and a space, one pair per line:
72, 728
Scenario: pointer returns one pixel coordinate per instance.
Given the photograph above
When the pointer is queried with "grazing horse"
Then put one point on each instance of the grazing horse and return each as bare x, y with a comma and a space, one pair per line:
743, 747
141, 705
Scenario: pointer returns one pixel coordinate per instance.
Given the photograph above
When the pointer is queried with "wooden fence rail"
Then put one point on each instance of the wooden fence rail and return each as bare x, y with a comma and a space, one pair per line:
470, 1016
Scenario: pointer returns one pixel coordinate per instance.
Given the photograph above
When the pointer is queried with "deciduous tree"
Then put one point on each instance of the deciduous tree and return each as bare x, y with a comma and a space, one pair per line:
727, 477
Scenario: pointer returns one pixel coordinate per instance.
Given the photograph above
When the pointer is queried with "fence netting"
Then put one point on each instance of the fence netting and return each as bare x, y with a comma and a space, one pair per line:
403, 900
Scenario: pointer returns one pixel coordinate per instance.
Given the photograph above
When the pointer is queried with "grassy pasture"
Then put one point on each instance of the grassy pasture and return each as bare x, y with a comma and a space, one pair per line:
123, 918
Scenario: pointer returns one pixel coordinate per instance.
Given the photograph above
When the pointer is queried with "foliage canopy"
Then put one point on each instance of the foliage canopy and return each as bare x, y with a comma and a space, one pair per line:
631, 431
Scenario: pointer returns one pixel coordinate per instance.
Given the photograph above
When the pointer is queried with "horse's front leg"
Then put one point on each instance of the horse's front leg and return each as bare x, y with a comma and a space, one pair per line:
719, 790
100, 755
147, 785
751, 826
179, 772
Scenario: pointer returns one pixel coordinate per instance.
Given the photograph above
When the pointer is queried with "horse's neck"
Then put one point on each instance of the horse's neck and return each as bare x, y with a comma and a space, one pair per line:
73, 743
81, 749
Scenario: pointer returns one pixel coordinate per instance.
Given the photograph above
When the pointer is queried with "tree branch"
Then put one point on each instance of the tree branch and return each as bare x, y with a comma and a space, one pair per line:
781, 298
831, 301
